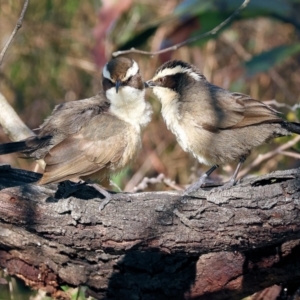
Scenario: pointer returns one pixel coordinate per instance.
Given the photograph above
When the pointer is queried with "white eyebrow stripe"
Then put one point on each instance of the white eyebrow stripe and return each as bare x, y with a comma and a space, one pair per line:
133, 70
176, 70
106, 73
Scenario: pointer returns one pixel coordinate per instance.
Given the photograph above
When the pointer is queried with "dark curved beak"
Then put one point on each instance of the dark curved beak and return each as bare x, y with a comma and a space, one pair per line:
118, 84
150, 84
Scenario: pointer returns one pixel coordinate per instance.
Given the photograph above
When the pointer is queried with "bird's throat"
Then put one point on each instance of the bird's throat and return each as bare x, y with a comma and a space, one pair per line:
129, 105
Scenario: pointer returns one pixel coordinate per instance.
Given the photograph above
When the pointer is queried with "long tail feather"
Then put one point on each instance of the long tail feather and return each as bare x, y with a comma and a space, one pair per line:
293, 127
29, 145
13, 147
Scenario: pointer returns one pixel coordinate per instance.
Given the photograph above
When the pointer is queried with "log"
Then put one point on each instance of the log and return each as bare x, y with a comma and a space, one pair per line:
152, 245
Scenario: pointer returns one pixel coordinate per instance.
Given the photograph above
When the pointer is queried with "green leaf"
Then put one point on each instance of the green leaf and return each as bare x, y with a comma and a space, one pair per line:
266, 60
254, 8
193, 7
138, 39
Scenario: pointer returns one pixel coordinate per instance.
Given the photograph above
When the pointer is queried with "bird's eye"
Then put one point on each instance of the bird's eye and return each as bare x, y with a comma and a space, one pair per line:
161, 80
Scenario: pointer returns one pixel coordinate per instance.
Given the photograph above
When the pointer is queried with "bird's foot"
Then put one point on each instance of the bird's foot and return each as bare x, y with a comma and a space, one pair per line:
104, 192
226, 186
195, 186
72, 187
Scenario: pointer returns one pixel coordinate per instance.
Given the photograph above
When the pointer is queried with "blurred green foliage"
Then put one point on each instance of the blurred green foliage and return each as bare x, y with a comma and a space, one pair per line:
266, 60
37, 66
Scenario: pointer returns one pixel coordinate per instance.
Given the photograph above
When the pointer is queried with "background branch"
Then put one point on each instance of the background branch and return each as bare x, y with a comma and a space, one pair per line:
263, 157
275, 103
12, 125
161, 178
17, 27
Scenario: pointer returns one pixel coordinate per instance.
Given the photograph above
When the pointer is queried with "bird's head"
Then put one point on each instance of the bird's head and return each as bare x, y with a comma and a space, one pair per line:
172, 78
120, 73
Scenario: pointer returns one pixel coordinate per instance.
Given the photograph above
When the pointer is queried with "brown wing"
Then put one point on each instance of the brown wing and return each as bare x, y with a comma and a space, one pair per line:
69, 117
93, 148
220, 109
66, 119
255, 112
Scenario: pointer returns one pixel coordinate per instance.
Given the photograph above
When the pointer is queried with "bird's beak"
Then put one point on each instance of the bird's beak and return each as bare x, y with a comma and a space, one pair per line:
118, 84
150, 84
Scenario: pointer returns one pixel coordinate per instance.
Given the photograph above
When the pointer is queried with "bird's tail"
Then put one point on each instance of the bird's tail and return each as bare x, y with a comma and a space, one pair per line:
26, 146
13, 147
293, 127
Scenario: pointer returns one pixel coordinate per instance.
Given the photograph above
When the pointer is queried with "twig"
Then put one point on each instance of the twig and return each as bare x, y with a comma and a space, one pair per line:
291, 154
279, 104
113, 184
159, 179
188, 41
18, 26
270, 154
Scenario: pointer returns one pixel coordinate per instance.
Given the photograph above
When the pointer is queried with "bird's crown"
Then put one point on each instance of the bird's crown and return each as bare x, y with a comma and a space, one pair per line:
174, 67
120, 68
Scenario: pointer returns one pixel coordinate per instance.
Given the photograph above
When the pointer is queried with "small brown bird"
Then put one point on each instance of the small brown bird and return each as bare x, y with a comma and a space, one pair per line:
215, 125
95, 137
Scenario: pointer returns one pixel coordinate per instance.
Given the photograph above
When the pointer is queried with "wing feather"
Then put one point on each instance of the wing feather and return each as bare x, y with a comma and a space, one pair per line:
94, 147
224, 110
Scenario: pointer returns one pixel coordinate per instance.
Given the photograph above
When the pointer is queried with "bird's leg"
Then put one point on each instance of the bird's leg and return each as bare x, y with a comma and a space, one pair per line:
72, 187
197, 185
104, 192
232, 180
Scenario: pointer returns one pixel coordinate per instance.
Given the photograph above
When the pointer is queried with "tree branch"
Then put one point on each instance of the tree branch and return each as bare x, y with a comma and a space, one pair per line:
153, 244
12, 125
18, 26
188, 41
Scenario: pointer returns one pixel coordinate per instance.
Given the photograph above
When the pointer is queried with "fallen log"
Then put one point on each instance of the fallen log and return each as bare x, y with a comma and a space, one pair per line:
152, 245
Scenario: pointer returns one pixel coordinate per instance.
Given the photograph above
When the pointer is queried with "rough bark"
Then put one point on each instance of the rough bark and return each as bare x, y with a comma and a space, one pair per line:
154, 245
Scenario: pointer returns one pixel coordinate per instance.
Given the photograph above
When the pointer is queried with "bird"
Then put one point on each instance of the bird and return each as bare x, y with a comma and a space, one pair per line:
213, 124
95, 137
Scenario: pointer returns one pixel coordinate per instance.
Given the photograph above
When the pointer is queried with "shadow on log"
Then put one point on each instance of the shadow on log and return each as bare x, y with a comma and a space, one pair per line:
154, 245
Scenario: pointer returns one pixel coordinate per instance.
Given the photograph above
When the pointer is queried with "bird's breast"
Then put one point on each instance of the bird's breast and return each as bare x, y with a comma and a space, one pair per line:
173, 121
170, 112
132, 142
